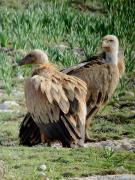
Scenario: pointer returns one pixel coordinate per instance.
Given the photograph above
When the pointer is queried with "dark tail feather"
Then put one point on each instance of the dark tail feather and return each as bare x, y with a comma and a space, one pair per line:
57, 131
71, 128
62, 130
29, 134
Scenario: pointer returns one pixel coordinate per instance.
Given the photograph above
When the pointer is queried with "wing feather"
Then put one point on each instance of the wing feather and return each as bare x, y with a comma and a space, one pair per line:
101, 80
47, 97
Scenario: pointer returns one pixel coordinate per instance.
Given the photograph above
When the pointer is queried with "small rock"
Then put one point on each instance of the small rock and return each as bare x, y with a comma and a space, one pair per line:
8, 106
43, 176
20, 76
107, 177
116, 145
79, 52
121, 169
42, 167
61, 46
17, 93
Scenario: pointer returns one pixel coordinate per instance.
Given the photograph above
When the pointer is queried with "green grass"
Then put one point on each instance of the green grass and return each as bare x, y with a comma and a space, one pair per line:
109, 124
23, 163
46, 25
103, 130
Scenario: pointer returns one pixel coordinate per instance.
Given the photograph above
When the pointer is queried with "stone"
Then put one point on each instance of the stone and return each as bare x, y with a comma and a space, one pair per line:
61, 46
79, 52
20, 76
8, 106
116, 145
42, 167
121, 169
107, 177
42, 176
17, 93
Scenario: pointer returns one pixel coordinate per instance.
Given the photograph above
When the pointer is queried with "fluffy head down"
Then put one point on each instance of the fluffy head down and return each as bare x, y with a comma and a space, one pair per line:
36, 56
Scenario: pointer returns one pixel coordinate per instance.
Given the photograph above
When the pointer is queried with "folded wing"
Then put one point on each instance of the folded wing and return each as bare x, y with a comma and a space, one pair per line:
54, 98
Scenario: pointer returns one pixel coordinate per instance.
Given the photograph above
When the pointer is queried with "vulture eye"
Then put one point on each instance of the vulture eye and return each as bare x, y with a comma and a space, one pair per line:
30, 56
110, 40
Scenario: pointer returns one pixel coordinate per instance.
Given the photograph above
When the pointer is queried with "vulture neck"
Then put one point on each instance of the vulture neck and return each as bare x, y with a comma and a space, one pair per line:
44, 66
40, 65
111, 57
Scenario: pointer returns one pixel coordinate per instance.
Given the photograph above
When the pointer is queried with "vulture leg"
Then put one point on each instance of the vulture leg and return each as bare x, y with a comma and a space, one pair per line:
81, 141
90, 116
43, 139
81, 126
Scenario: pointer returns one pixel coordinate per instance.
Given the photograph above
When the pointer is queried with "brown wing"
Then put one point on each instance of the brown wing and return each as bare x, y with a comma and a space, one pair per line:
101, 80
87, 74
48, 98
121, 63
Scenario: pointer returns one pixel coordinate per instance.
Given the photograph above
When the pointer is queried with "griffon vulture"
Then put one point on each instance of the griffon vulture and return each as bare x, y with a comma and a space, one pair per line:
101, 74
56, 101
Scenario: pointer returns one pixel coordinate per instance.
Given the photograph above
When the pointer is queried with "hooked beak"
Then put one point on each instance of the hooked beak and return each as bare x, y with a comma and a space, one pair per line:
26, 60
22, 62
105, 46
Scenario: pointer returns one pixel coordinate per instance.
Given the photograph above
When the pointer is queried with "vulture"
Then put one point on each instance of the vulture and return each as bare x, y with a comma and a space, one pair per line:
56, 101
101, 74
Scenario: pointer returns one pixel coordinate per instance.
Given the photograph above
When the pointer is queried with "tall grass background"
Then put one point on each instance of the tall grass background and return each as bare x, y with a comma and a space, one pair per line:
47, 24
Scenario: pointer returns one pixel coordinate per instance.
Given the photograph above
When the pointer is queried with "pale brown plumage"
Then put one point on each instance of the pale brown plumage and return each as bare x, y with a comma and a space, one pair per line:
101, 80
56, 101
101, 76
121, 64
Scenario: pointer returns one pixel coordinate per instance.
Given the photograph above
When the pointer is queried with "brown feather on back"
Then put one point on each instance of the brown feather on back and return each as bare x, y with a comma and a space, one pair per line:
101, 76
57, 103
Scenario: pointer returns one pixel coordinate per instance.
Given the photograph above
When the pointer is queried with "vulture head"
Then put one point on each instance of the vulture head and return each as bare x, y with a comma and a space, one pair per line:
34, 57
110, 46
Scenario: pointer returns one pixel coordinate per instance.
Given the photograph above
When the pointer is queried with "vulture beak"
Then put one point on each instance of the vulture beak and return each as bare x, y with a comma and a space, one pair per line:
105, 46
22, 62
25, 60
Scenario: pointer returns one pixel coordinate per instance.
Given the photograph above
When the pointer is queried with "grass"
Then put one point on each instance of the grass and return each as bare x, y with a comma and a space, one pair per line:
110, 124
47, 24
23, 163
51, 25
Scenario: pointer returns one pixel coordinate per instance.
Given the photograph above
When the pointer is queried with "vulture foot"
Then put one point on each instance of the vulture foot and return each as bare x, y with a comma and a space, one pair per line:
81, 143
